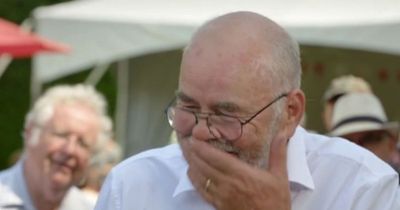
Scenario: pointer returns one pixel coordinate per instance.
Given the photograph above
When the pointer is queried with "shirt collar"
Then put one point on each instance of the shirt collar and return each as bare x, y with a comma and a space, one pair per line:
298, 170
184, 183
16, 195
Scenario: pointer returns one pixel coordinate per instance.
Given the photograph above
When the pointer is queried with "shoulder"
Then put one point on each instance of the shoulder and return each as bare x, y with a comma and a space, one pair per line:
150, 164
163, 156
338, 154
8, 197
6, 175
8, 179
142, 177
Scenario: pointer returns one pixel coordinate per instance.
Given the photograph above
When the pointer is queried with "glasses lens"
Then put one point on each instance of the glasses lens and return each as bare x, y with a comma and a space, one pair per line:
181, 120
228, 127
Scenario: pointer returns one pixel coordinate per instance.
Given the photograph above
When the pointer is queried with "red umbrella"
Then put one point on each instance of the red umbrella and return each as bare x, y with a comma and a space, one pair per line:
21, 44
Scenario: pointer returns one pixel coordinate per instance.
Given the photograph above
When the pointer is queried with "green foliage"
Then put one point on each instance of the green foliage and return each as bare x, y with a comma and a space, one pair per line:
18, 10
14, 103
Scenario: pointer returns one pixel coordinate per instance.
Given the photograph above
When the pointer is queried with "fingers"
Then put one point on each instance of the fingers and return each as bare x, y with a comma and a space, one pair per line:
203, 177
229, 183
278, 156
215, 158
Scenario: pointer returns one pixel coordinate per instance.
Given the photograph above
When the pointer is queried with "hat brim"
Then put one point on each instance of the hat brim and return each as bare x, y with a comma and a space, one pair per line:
392, 127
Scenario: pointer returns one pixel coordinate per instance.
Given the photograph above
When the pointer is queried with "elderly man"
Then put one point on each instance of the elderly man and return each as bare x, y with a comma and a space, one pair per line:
236, 116
61, 130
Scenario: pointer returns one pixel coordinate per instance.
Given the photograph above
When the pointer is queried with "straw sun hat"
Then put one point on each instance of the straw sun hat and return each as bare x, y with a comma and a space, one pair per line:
346, 84
357, 112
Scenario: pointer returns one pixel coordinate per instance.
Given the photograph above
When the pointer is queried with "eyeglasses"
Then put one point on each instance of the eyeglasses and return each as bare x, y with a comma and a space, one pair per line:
182, 120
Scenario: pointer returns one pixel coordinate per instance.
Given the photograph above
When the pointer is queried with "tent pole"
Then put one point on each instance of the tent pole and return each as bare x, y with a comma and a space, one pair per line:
96, 74
36, 85
122, 103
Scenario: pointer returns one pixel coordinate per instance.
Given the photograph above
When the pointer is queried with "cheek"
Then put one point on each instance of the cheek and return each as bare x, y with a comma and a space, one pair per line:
42, 149
83, 160
256, 135
53, 147
251, 139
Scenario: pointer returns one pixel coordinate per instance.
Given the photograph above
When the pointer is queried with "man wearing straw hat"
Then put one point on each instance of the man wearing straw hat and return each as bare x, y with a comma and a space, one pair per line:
360, 117
339, 87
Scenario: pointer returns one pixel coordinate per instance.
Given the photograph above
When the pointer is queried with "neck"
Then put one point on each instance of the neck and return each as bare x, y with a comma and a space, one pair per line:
43, 196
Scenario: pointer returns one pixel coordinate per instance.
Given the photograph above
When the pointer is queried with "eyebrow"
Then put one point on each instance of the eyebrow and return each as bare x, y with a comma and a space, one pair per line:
185, 98
221, 106
227, 106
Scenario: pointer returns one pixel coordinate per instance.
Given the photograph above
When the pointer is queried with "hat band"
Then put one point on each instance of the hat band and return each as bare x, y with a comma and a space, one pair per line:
358, 119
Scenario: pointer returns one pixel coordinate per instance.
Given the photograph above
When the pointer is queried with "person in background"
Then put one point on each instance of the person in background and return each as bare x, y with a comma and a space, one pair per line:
61, 131
361, 118
104, 158
236, 116
338, 87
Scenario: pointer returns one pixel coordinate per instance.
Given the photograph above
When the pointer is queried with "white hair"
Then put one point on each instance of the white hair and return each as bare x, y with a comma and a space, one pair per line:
286, 63
43, 109
110, 153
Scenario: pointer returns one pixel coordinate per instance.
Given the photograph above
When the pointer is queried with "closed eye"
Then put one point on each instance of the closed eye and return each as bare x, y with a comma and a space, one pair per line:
188, 106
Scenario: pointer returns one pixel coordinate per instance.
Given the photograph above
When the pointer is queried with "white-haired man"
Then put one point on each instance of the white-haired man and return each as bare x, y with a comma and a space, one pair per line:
236, 117
61, 131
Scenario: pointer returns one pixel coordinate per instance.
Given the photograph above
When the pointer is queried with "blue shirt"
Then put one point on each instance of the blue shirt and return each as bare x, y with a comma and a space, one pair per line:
14, 194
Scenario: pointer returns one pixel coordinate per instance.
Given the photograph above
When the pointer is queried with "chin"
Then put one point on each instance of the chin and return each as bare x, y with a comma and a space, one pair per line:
61, 177
254, 160
61, 181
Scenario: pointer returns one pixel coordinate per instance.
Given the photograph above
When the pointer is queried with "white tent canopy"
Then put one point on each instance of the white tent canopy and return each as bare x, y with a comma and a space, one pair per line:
103, 31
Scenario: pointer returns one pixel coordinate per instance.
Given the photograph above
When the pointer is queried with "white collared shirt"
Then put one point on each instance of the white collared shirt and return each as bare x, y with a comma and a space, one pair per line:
14, 194
324, 173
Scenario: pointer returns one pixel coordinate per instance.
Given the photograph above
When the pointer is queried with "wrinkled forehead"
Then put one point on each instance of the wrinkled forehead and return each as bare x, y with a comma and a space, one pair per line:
215, 74
230, 57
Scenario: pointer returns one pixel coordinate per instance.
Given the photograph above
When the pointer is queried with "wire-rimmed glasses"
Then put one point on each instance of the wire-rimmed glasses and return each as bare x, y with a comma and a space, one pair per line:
183, 120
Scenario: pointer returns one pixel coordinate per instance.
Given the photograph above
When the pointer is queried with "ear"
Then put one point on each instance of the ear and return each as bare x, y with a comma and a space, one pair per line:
294, 111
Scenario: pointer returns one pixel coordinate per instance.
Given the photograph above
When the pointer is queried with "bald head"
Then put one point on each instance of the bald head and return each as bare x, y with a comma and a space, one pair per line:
245, 43
234, 65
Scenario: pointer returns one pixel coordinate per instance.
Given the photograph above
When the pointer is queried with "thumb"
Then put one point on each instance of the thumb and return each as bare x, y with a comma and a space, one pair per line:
278, 156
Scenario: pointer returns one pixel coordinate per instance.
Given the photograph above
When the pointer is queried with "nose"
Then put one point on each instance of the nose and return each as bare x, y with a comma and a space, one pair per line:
70, 145
203, 130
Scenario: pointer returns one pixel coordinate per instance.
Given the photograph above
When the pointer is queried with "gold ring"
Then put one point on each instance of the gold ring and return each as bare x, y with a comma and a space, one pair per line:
208, 183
